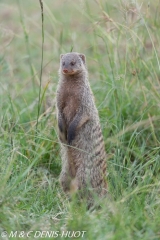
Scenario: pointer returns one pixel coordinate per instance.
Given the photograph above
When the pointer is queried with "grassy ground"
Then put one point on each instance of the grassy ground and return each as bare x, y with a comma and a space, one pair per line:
121, 41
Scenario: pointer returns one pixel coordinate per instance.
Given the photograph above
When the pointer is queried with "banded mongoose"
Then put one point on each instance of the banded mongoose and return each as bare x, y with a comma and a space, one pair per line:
82, 146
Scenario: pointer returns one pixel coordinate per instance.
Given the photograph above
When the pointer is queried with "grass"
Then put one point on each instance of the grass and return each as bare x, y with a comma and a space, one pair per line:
121, 42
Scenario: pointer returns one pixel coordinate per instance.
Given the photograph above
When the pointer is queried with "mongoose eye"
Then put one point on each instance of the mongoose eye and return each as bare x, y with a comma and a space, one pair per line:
63, 63
72, 63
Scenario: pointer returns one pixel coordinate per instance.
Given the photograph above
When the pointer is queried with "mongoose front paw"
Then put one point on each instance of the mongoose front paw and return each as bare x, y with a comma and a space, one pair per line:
60, 124
71, 134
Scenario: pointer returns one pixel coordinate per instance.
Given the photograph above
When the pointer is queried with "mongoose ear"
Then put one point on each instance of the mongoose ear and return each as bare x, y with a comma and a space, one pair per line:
82, 56
61, 56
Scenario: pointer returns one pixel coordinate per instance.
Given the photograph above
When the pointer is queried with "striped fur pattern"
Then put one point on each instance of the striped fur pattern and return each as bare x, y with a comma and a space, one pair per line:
82, 146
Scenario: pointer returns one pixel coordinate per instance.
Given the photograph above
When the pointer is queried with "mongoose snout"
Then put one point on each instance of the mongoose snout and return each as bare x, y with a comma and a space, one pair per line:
65, 71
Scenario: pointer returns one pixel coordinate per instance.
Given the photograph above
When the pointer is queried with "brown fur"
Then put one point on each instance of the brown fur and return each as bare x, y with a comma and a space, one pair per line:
82, 146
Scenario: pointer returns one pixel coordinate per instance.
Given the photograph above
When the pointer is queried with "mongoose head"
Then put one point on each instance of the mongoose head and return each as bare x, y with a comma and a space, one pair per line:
72, 63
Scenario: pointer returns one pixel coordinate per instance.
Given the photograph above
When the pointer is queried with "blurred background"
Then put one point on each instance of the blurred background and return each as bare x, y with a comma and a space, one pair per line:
121, 42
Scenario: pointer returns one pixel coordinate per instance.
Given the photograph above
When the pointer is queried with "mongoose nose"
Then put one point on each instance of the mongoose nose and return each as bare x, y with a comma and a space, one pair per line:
65, 70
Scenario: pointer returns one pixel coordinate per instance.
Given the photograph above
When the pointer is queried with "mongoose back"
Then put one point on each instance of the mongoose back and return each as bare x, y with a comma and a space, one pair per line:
82, 146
